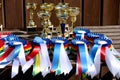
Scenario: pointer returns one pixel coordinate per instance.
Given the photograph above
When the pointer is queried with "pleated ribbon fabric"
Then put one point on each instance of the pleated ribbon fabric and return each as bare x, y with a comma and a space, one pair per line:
39, 57
60, 63
82, 55
14, 54
81, 32
103, 50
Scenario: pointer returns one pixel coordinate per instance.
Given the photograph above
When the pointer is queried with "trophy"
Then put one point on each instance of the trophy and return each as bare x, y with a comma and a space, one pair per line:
63, 15
31, 7
44, 22
73, 12
45, 15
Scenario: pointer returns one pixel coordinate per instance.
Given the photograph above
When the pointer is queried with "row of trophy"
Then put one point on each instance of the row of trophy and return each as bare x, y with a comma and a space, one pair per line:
63, 13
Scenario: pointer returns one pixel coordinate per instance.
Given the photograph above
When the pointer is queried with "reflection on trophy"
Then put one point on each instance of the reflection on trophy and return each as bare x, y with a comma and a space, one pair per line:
73, 12
45, 15
63, 15
31, 7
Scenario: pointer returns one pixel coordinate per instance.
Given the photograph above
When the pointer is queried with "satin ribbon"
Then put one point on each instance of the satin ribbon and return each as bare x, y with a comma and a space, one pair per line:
39, 57
19, 58
82, 55
15, 53
60, 63
92, 36
81, 32
98, 53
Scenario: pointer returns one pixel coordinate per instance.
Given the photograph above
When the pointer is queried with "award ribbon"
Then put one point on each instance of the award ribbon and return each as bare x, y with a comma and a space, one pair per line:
41, 57
81, 32
61, 63
98, 53
82, 56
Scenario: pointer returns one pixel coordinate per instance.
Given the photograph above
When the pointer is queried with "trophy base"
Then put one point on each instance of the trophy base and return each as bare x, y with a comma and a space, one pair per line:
32, 28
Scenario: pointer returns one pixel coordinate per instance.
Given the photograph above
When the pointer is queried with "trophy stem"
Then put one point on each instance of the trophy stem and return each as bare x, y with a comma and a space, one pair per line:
31, 14
62, 29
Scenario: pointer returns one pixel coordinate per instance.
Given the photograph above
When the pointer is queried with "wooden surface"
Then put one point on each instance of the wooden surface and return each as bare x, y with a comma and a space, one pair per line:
14, 17
92, 12
110, 12
1, 14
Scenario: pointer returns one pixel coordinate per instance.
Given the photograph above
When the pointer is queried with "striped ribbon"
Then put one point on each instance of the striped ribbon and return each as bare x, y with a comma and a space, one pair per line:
61, 63
82, 56
39, 58
98, 53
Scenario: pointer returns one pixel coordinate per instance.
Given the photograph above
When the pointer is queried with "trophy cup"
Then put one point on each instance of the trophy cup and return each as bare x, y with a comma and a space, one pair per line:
45, 15
63, 15
73, 12
44, 22
31, 7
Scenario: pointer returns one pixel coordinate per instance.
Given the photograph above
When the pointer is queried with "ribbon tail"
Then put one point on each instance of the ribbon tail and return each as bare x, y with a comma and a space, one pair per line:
15, 68
45, 60
36, 66
27, 65
82, 52
94, 63
3, 65
113, 63
56, 55
65, 63
97, 61
21, 57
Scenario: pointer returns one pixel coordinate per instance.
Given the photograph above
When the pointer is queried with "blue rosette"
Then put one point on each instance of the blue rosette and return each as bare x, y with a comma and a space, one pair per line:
48, 42
74, 44
82, 55
92, 36
80, 32
60, 55
13, 38
103, 41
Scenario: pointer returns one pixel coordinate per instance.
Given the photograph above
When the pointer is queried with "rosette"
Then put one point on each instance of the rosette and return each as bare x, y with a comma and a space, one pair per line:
38, 57
82, 55
60, 63
102, 51
81, 32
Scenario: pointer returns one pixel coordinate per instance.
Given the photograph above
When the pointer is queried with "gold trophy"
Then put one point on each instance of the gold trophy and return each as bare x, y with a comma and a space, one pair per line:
73, 12
31, 7
63, 15
45, 15
44, 22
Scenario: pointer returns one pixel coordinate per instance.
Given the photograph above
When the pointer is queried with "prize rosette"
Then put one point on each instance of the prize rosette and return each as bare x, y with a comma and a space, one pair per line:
103, 50
81, 32
48, 43
38, 57
66, 43
92, 36
82, 55
60, 62
4, 34
14, 54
